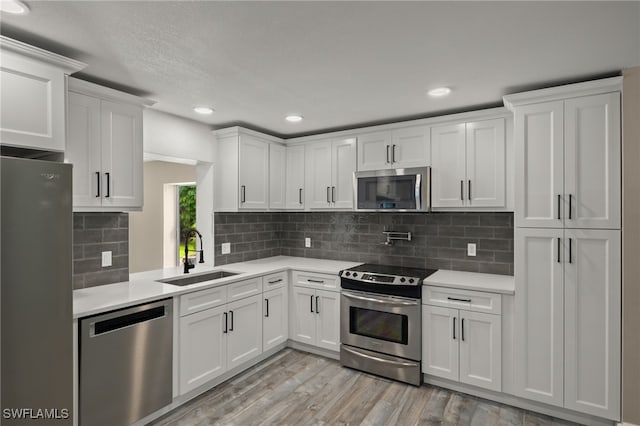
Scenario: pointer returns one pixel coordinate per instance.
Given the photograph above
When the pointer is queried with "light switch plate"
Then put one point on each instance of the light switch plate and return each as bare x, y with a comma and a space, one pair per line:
106, 259
307, 242
471, 249
226, 248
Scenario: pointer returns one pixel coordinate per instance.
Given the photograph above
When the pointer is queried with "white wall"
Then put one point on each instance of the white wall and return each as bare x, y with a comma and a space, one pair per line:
170, 137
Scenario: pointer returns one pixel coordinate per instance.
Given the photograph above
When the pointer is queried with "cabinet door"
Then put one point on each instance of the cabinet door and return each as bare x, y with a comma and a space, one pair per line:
121, 155
592, 322
539, 310
410, 147
253, 173
481, 350
374, 151
244, 339
440, 334
202, 348
327, 306
295, 190
83, 149
277, 169
343, 166
592, 161
275, 319
32, 104
448, 166
318, 175
303, 315
539, 165
486, 163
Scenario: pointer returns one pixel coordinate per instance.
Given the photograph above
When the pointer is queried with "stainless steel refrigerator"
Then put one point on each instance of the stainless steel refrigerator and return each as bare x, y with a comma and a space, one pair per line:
36, 292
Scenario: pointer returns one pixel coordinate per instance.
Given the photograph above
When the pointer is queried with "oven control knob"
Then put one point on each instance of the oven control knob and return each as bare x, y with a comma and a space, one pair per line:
411, 280
348, 273
355, 275
402, 279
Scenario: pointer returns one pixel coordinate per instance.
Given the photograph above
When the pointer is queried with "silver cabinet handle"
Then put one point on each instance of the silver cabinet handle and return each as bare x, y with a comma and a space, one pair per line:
388, 155
383, 300
317, 304
333, 194
393, 154
243, 191
462, 190
559, 207
300, 196
98, 179
328, 195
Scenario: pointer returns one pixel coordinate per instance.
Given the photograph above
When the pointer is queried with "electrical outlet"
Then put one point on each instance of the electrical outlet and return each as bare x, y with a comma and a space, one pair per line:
307, 242
106, 259
226, 248
471, 249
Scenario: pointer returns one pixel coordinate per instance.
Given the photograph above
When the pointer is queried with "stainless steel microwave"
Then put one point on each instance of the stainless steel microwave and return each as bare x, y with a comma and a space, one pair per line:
405, 190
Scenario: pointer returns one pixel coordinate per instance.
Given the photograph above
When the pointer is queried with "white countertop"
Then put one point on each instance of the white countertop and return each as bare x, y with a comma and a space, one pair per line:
143, 287
492, 283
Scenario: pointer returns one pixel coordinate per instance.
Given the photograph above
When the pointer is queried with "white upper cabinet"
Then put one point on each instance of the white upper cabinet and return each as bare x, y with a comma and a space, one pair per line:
568, 156
104, 144
329, 174
254, 173
277, 176
33, 96
294, 186
242, 170
402, 148
469, 164
592, 174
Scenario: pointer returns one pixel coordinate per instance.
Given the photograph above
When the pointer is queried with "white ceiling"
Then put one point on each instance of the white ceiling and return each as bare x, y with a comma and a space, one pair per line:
340, 64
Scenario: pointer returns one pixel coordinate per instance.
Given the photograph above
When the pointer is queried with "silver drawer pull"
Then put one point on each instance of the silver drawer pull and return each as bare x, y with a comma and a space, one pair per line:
316, 281
455, 299
279, 280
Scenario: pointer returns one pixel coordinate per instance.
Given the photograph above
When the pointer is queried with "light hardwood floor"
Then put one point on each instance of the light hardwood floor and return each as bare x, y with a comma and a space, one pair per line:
296, 388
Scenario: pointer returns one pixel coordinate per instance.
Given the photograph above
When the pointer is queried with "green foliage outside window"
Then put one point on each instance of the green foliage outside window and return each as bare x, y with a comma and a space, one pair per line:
187, 203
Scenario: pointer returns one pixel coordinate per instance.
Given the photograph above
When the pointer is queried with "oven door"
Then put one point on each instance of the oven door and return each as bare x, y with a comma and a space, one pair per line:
385, 324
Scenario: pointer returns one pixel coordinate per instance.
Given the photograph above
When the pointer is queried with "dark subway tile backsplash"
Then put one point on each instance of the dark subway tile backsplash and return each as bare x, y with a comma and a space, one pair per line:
439, 240
94, 233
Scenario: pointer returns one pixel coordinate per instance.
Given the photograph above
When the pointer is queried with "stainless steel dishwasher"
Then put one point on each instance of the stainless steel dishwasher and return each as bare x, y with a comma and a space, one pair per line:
126, 359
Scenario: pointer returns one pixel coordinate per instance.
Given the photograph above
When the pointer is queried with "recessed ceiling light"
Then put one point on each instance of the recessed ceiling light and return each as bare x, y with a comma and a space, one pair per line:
294, 118
439, 91
203, 110
15, 7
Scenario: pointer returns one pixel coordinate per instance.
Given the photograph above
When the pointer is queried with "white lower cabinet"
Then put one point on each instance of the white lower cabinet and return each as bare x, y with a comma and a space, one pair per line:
275, 318
462, 336
316, 317
244, 334
463, 346
567, 334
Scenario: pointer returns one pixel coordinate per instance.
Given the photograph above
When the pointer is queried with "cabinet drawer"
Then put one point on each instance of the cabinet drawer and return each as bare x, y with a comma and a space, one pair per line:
245, 288
277, 280
462, 299
201, 300
315, 280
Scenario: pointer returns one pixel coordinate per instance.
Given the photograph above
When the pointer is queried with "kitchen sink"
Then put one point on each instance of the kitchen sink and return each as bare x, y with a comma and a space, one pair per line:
193, 279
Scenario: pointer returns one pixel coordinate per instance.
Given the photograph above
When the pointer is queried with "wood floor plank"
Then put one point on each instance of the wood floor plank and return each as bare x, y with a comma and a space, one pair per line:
300, 389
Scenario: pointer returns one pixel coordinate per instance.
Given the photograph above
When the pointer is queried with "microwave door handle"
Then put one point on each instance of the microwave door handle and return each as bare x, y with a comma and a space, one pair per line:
418, 192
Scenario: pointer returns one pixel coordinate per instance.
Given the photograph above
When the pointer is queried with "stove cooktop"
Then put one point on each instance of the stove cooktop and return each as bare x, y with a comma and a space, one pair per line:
387, 274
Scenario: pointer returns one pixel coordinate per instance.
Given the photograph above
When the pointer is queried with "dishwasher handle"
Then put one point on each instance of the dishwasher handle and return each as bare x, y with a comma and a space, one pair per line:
114, 323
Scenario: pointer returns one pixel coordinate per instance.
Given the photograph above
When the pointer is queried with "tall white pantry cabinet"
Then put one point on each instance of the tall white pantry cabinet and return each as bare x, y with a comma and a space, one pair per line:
567, 344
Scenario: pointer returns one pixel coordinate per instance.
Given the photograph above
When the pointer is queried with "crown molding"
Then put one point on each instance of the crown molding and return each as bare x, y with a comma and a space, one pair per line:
69, 66
88, 88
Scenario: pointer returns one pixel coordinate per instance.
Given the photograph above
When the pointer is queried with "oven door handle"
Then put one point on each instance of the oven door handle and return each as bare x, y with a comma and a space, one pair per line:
382, 299
375, 358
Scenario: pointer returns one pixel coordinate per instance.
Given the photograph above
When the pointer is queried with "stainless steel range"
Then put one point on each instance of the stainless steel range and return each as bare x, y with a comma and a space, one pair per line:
380, 329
